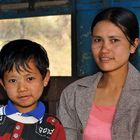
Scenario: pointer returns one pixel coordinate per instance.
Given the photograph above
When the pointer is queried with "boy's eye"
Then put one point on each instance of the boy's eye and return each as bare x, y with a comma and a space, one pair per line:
12, 80
30, 78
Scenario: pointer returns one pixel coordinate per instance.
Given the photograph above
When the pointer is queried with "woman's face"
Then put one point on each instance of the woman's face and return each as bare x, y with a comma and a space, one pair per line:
110, 47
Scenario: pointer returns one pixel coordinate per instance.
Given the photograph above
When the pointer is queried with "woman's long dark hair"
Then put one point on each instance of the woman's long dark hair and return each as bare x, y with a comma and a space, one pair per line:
123, 18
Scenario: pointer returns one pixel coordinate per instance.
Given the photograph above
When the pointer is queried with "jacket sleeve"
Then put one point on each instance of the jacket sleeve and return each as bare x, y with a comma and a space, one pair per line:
66, 113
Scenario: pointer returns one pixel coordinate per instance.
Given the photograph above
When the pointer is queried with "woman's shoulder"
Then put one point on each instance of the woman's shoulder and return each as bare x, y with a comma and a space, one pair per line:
81, 84
85, 81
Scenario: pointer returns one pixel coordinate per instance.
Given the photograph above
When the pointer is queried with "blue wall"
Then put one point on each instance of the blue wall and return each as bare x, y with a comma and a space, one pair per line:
85, 12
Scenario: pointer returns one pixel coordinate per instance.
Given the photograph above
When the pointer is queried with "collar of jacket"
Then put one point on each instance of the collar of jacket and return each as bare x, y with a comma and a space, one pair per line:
86, 91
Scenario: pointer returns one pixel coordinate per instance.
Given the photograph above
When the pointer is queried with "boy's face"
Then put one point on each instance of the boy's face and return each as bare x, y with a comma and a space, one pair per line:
25, 88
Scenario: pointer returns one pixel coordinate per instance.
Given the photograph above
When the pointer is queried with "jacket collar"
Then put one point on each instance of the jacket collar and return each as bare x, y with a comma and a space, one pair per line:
87, 89
130, 94
84, 96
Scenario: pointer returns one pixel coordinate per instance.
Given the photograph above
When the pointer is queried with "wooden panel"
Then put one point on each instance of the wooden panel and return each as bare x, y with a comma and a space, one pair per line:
57, 84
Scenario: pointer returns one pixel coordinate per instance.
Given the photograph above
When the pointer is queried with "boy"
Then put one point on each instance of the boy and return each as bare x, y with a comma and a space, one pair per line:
24, 73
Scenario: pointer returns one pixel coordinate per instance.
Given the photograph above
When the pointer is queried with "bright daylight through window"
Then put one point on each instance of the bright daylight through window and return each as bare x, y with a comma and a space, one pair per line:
53, 32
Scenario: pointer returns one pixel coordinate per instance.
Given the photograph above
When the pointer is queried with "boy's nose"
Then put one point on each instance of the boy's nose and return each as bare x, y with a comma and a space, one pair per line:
22, 86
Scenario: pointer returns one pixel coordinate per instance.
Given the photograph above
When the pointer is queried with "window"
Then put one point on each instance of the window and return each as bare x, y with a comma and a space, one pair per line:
52, 32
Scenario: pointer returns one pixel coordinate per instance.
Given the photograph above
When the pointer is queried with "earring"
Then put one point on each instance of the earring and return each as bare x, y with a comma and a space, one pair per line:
45, 84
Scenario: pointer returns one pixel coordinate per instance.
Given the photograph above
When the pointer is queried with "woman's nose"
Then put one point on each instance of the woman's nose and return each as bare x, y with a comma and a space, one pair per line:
105, 46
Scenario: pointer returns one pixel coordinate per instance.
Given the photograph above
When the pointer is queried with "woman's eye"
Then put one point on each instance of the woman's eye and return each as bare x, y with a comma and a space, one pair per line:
96, 40
114, 40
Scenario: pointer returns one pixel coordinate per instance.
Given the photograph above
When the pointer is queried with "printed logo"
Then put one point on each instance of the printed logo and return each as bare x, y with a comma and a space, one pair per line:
45, 129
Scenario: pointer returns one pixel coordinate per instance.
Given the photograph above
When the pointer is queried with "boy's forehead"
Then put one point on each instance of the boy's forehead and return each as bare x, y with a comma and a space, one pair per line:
26, 66
20, 68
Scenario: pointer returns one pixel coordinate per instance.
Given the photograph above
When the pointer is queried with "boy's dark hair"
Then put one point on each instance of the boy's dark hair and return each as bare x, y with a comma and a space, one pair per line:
18, 53
123, 18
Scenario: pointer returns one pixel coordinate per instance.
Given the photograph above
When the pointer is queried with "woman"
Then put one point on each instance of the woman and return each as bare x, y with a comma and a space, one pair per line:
106, 106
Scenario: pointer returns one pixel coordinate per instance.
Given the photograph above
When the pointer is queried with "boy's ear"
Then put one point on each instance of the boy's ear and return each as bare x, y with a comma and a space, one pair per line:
134, 47
2, 84
47, 78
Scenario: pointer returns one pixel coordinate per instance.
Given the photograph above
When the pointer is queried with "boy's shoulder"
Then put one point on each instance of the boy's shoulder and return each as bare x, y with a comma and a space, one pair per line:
48, 126
53, 120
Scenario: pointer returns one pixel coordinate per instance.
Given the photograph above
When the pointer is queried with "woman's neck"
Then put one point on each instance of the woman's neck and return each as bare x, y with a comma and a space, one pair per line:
114, 79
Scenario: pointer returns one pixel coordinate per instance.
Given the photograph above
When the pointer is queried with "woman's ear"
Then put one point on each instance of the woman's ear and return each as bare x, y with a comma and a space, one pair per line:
47, 78
134, 46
